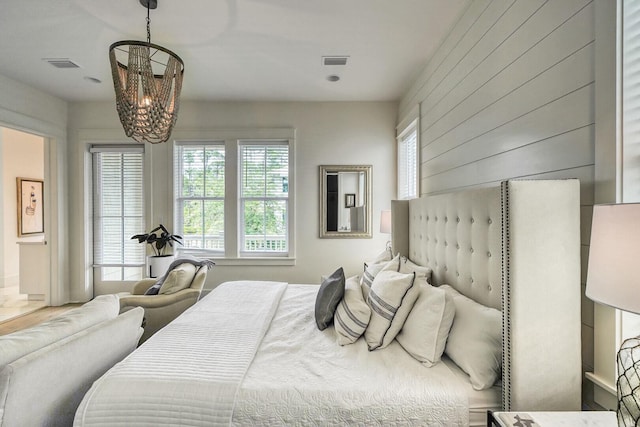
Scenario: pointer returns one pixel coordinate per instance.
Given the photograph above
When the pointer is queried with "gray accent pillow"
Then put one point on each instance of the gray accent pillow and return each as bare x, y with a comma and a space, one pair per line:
329, 296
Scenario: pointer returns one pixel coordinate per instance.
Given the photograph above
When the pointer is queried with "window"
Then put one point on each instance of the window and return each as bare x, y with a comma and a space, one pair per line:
629, 75
264, 193
616, 152
200, 195
408, 162
233, 197
118, 211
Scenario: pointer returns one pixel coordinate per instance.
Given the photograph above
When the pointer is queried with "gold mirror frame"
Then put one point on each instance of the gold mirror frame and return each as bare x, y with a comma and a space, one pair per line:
356, 199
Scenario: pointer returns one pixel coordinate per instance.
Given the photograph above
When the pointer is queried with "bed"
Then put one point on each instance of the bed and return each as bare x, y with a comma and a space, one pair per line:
514, 249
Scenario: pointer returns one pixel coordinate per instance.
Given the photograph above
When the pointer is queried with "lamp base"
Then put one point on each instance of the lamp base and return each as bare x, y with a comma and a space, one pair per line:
628, 384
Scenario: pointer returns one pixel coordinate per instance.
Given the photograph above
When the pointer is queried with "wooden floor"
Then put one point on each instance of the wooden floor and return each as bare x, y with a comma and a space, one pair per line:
32, 319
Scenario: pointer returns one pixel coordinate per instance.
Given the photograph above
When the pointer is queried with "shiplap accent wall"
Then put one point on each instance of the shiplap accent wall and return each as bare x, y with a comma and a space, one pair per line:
510, 94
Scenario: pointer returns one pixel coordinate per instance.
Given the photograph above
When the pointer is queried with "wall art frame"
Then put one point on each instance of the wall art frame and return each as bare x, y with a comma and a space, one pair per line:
30, 206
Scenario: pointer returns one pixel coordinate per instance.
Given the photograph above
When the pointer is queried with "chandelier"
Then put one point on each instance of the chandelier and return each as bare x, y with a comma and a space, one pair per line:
147, 79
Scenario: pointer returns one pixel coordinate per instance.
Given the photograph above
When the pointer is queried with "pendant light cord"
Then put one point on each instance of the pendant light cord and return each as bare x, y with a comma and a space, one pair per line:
148, 25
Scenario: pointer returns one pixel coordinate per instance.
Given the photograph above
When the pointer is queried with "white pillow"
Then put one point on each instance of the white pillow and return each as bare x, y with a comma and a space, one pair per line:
425, 331
372, 270
391, 298
179, 278
408, 266
353, 313
475, 340
384, 256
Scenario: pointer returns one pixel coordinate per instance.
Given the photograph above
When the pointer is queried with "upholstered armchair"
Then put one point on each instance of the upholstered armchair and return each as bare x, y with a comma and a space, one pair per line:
178, 292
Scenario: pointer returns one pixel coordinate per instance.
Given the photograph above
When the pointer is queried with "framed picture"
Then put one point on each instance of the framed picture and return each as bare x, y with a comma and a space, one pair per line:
349, 200
30, 206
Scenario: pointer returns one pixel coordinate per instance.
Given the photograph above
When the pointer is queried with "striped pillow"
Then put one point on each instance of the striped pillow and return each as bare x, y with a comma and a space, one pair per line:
353, 313
371, 270
391, 299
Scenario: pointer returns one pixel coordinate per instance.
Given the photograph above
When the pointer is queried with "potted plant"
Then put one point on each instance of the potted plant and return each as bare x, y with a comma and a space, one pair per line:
159, 239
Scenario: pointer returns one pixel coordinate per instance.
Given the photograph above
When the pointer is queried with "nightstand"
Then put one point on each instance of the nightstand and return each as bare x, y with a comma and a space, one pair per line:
552, 419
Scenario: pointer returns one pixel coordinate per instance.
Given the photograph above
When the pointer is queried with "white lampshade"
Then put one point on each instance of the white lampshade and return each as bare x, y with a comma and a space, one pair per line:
614, 256
385, 222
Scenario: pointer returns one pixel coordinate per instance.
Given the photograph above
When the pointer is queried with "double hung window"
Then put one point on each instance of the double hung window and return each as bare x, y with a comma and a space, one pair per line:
264, 198
233, 197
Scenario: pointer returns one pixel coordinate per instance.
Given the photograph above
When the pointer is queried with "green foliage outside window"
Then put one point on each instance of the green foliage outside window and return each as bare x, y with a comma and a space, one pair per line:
264, 188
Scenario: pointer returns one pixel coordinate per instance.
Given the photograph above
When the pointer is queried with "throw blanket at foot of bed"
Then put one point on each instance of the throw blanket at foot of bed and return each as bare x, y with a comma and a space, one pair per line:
189, 372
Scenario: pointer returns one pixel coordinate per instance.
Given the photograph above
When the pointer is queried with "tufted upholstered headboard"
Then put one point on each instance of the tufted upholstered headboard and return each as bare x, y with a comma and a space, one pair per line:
516, 248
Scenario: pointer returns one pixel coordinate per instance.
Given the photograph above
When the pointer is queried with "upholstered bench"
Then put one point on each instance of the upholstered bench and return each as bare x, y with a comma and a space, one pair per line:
46, 370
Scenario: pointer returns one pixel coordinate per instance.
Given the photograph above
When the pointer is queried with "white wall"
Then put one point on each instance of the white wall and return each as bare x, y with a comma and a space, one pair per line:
326, 133
22, 155
510, 94
25, 108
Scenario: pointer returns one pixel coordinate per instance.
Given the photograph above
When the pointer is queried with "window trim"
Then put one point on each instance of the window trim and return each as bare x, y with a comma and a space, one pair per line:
608, 175
232, 139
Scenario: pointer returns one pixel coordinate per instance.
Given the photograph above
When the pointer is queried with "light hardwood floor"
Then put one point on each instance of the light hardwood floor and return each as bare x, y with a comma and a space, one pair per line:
32, 319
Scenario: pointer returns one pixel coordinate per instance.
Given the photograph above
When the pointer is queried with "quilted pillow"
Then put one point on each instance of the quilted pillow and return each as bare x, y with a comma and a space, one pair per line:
407, 266
475, 340
353, 313
179, 278
425, 331
371, 271
391, 298
329, 296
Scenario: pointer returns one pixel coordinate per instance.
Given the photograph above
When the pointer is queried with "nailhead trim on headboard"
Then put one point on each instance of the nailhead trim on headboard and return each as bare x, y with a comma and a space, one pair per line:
506, 299
533, 227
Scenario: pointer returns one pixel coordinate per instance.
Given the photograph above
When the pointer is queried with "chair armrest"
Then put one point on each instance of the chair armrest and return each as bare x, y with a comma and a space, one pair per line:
141, 287
154, 301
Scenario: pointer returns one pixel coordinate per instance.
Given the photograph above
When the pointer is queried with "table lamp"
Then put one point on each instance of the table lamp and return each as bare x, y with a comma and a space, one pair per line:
613, 279
385, 226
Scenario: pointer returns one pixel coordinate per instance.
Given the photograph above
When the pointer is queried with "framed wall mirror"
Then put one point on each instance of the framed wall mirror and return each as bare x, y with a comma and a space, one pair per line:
345, 201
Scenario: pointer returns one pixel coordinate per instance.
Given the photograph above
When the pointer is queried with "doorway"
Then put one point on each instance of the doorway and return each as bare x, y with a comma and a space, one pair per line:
21, 156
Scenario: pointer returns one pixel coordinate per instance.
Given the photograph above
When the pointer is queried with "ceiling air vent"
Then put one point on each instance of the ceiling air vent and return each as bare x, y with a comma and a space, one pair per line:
334, 60
61, 62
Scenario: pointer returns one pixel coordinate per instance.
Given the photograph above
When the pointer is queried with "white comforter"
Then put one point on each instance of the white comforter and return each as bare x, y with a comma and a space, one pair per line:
301, 376
188, 373
201, 370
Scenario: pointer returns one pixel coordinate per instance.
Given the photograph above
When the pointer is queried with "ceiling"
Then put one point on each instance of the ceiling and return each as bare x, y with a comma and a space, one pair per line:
233, 50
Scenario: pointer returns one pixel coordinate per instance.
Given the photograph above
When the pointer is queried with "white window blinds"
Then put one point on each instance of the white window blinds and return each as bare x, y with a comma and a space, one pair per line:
118, 210
408, 162
264, 197
631, 72
629, 87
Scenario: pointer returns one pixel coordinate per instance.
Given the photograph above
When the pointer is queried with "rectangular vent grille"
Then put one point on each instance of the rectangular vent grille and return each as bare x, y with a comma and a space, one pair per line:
62, 62
334, 60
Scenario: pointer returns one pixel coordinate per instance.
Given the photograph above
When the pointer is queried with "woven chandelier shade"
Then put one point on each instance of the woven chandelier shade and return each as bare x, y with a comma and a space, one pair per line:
147, 79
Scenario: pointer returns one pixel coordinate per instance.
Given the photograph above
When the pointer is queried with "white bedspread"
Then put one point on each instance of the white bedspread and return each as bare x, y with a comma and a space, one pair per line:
201, 370
188, 373
302, 377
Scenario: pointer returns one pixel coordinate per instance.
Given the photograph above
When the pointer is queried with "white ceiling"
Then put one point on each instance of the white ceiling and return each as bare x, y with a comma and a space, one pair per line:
260, 50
